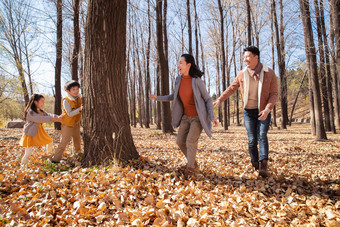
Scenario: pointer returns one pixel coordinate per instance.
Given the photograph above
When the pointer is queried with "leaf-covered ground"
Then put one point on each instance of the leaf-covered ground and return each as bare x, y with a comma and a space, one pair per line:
303, 190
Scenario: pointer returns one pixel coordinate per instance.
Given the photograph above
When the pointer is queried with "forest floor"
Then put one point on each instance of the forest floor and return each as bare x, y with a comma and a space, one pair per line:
303, 188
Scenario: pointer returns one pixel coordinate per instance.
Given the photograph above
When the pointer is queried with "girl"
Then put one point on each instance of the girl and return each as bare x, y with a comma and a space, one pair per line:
34, 133
192, 110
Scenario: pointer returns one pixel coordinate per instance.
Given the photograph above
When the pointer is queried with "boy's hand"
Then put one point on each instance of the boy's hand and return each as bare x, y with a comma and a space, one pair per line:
58, 119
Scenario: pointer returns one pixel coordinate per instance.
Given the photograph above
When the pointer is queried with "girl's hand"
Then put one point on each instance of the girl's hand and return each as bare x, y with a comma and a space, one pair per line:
216, 103
58, 118
153, 97
81, 108
215, 123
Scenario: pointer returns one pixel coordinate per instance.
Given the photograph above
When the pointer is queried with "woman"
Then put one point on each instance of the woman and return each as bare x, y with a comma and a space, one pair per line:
192, 110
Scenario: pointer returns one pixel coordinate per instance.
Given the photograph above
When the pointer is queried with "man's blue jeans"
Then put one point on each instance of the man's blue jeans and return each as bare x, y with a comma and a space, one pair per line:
257, 131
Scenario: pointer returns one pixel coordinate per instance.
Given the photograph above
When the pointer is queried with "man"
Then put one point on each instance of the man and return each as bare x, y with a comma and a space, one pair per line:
258, 86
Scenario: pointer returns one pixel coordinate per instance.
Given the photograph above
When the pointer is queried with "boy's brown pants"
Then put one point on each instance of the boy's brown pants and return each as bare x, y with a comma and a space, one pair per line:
67, 133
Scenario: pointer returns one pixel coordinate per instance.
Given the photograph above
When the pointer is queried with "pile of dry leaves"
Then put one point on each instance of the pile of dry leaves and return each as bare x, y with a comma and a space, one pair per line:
303, 189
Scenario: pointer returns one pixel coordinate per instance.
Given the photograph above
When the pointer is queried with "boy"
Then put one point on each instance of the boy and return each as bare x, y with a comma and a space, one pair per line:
70, 126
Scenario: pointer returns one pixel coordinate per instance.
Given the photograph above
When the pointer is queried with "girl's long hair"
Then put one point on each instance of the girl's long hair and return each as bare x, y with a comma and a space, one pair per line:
31, 105
194, 71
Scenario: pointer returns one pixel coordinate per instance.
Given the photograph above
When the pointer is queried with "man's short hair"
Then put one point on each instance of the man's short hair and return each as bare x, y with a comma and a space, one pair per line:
252, 49
70, 84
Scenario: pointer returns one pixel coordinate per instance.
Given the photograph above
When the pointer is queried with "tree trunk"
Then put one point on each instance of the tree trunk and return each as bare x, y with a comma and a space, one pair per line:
224, 87
282, 68
311, 62
189, 26
107, 134
328, 68
322, 68
296, 98
335, 61
164, 69
59, 47
311, 106
159, 106
196, 35
248, 22
76, 31
147, 85
273, 56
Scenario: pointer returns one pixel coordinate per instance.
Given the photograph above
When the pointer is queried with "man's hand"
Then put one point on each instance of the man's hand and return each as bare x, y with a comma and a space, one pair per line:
153, 97
263, 114
216, 103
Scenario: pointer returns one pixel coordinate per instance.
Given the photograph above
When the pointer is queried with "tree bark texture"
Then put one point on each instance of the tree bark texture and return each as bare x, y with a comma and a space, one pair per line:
59, 50
107, 133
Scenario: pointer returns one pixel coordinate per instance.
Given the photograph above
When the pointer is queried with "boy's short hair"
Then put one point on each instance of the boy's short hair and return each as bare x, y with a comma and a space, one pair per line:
252, 49
70, 84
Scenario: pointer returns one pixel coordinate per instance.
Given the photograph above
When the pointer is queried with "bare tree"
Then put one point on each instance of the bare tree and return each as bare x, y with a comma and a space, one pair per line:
164, 67
189, 26
148, 82
76, 33
107, 134
311, 61
328, 68
335, 53
281, 62
248, 22
224, 87
59, 52
15, 38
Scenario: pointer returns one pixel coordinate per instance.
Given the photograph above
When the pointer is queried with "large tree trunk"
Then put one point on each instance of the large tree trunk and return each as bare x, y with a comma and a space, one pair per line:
107, 134
164, 69
322, 67
311, 61
76, 30
59, 47
224, 87
189, 26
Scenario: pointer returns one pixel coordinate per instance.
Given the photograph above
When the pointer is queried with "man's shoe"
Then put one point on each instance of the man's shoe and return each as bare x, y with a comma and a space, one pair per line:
263, 168
255, 165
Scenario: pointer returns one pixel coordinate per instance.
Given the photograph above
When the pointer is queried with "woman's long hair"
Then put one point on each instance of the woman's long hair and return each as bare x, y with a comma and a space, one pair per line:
31, 105
194, 71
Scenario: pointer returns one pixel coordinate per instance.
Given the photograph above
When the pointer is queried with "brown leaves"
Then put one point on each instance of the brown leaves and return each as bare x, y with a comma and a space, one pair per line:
303, 189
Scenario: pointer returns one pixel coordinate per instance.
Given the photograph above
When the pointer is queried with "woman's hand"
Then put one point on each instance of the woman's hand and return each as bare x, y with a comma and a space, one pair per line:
153, 97
215, 123
216, 103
